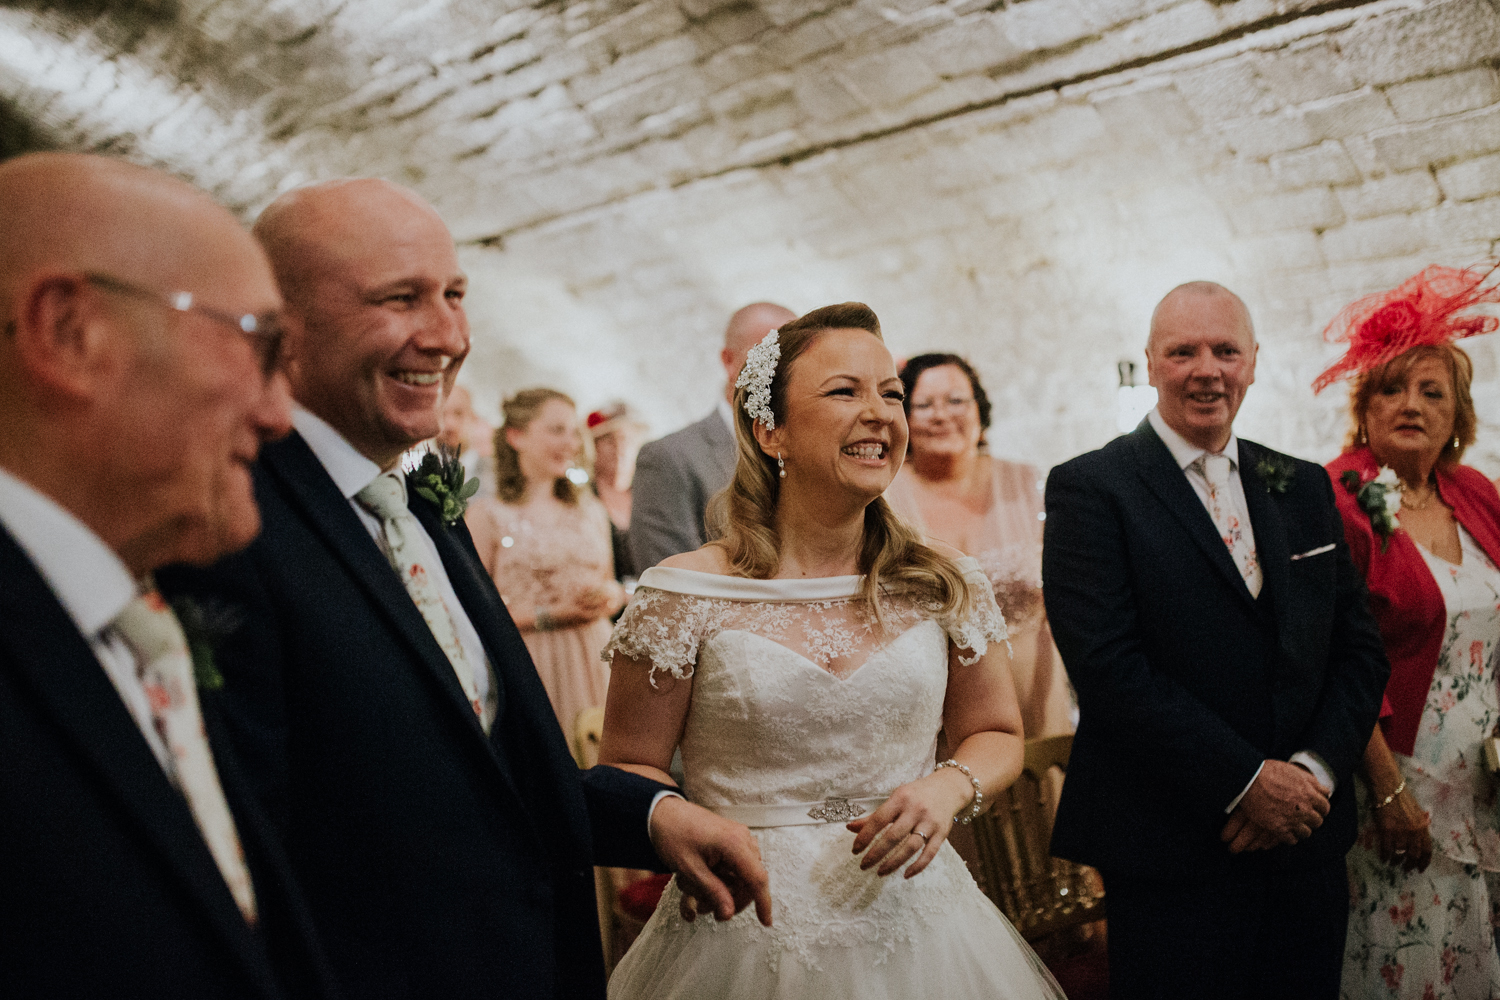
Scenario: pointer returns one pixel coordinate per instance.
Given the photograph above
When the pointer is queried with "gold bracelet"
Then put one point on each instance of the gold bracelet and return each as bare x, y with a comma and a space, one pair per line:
1392, 797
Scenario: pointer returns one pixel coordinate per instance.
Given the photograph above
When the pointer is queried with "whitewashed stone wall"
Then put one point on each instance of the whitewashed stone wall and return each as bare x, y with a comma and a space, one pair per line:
1019, 181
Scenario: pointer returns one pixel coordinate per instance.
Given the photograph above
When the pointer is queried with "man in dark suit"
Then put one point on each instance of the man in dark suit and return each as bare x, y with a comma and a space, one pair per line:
136, 384
1228, 672
396, 727
676, 476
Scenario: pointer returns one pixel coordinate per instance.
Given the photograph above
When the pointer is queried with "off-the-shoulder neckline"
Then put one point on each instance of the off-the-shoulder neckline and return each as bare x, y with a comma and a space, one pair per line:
697, 583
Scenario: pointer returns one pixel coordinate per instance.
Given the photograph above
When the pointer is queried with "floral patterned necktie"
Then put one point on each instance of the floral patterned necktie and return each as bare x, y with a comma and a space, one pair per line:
165, 667
1216, 469
386, 499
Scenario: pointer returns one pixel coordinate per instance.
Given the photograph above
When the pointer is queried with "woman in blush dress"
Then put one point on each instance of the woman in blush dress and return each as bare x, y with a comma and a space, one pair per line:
546, 543
805, 663
1425, 531
952, 490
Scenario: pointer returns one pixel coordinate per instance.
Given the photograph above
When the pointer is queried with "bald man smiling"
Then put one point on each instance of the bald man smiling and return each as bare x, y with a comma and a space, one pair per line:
137, 382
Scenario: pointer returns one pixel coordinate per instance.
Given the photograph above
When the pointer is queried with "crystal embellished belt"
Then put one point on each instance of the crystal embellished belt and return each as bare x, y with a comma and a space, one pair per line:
829, 810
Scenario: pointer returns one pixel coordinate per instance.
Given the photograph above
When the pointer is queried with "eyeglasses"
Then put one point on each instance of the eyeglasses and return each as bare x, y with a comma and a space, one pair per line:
264, 332
927, 406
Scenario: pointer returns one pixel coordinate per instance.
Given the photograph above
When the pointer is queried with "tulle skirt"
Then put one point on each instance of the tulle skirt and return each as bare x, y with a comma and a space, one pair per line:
838, 933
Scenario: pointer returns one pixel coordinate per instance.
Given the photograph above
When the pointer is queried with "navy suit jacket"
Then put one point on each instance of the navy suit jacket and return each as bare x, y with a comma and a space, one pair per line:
438, 862
107, 889
1185, 682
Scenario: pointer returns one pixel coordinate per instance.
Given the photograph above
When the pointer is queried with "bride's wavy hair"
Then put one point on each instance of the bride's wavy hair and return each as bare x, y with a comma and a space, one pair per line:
892, 557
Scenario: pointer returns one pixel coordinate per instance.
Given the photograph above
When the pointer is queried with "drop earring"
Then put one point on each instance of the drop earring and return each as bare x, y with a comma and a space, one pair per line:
1456, 444
1362, 438
781, 464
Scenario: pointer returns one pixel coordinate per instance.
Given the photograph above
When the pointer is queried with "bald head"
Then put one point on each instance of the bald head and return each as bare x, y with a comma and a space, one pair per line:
110, 217
746, 328
1193, 294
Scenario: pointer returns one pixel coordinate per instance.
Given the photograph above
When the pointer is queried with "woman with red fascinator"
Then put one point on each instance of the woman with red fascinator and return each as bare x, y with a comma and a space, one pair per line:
1424, 876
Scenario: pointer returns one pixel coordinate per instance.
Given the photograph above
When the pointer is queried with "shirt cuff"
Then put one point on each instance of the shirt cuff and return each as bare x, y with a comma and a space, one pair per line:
1316, 766
655, 799
1230, 808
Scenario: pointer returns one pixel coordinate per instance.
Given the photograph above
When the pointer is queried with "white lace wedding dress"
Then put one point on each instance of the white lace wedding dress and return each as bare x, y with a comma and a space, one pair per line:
804, 710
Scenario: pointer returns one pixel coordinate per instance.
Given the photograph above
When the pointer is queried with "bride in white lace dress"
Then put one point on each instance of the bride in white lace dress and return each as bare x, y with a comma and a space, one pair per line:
805, 663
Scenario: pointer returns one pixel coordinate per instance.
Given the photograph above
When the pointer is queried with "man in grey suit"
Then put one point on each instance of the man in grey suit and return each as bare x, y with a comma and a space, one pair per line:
676, 475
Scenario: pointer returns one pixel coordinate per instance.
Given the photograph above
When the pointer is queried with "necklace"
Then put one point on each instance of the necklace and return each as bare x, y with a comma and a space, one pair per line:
1412, 505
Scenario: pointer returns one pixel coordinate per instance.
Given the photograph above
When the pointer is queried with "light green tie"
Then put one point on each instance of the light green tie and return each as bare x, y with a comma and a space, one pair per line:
386, 499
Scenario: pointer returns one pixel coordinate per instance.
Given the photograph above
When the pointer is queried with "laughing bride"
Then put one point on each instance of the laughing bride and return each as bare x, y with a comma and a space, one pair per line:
805, 663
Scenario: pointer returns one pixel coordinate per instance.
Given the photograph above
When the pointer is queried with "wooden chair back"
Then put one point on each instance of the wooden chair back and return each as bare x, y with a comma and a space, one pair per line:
1040, 894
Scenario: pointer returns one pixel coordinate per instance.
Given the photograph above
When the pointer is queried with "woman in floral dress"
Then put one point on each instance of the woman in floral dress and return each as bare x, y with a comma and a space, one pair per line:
1424, 877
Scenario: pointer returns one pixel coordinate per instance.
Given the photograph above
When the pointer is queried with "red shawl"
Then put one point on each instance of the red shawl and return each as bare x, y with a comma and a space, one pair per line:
1403, 595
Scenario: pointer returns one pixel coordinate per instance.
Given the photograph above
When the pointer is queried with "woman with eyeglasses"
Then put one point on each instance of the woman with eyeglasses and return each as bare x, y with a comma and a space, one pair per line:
953, 490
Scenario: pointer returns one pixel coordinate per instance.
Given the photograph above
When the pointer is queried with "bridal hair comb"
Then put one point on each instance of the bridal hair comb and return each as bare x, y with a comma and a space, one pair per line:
755, 378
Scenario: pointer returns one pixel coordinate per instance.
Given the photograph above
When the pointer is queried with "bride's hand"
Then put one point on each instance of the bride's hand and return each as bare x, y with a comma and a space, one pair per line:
912, 823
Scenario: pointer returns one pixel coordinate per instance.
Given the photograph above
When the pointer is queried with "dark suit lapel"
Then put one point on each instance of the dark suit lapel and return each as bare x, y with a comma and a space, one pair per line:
311, 489
57, 663
1156, 466
538, 744
1271, 546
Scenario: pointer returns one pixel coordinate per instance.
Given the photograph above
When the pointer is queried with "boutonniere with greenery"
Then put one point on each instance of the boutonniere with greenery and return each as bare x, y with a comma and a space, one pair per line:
1276, 471
204, 627
1379, 498
439, 479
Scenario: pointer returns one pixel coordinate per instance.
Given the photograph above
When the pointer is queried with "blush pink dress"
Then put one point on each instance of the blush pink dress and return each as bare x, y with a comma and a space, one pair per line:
545, 562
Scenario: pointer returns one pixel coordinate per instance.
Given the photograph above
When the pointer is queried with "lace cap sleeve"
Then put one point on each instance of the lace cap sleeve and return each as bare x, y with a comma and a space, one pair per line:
982, 623
664, 629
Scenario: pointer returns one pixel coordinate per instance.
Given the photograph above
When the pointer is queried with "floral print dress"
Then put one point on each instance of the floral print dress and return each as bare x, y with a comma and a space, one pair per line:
1429, 935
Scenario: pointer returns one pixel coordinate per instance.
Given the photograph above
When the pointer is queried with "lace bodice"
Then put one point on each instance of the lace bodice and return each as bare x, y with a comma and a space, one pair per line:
798, 693
547, 559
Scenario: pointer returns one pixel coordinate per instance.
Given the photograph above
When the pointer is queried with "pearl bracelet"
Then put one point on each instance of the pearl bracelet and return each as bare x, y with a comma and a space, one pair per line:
967, 814
1391, 797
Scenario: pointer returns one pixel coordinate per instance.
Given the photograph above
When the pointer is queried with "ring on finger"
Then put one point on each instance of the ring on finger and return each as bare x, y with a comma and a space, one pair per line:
919, 833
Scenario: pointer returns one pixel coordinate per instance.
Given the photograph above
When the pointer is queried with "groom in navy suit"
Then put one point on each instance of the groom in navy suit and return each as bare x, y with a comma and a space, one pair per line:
382, 696
1229, 675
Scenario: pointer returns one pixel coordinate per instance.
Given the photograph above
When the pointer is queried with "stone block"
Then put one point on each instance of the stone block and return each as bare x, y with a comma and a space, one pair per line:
1408, 192
1350, 114
735, 25
885, 79
1305, 73
1311, 210
1387, 236
796, 45
1262, 136
1448, 94
735, 64
744, 98
1326, 163
974, 45
1433, 38
641, 25
1225, 90
823, 96
1041, 25
787, 12
700, 9
1471, 179
618, 111
1149, 114
1441, 141
1279, 252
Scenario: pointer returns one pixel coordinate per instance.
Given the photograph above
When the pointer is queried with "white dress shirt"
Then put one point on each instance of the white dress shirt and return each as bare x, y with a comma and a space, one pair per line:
90, 582
1186, 455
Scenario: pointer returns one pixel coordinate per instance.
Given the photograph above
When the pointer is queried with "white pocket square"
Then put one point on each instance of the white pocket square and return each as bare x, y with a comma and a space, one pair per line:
1313, 552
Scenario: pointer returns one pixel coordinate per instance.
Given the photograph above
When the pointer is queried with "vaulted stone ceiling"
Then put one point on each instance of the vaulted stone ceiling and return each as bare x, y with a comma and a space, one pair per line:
1018, 180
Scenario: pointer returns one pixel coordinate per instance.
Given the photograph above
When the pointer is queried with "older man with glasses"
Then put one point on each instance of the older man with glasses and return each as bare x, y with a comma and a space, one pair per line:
137, 383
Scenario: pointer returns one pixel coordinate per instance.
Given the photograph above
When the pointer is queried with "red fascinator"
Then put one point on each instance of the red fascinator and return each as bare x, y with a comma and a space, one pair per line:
1424, 309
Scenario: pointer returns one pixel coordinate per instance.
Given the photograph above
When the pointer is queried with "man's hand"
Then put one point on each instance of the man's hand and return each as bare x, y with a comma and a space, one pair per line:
717, 861
1285, 804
